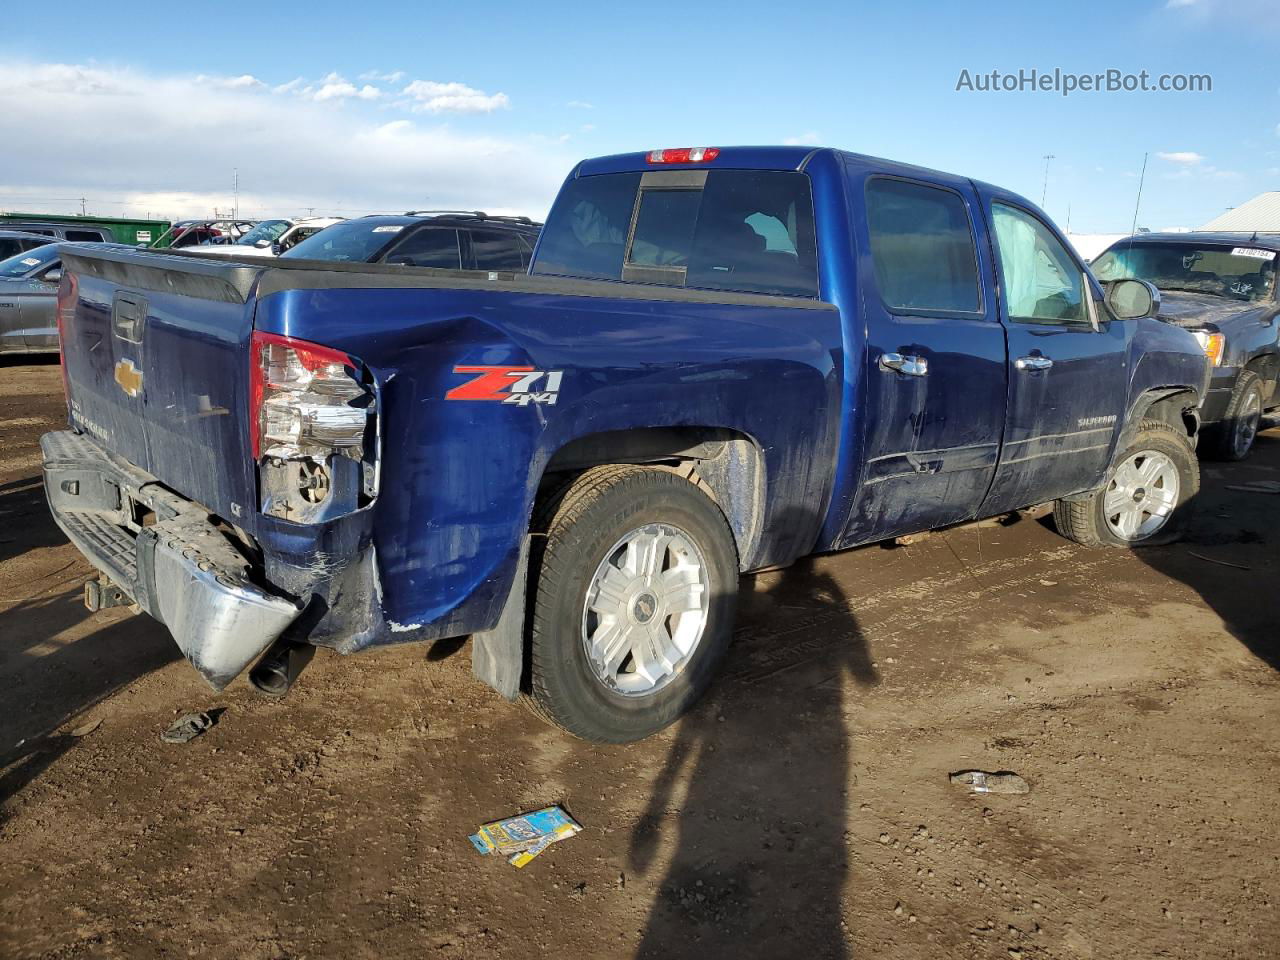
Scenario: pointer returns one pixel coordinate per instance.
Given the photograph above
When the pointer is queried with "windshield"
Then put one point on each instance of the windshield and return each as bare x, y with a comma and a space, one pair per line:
22, 264
355, 241
1236, 272
268, 230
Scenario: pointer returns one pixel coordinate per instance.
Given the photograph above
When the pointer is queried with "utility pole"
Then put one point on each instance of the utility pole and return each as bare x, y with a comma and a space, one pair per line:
235, 203
1137, 203
82, 201
1045, 192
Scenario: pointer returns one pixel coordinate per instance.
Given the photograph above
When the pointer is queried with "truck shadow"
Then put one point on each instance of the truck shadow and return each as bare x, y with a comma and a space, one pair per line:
25, 523
1229, 555
760, 776
54, 666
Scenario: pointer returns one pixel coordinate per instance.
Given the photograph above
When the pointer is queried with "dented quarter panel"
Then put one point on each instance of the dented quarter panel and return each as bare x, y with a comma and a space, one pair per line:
460, 476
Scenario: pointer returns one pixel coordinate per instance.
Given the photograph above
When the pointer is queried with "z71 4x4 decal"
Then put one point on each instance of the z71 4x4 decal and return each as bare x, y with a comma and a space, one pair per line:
518, 385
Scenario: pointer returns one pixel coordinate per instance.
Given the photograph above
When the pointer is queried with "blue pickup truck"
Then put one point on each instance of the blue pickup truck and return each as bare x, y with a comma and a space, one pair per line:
721, 360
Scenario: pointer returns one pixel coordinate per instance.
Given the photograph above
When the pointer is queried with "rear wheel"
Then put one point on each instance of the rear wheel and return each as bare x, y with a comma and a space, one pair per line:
1232, 439
633, 612
1145, 500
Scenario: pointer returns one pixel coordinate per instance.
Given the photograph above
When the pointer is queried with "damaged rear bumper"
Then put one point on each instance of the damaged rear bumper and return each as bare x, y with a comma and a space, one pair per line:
166, 553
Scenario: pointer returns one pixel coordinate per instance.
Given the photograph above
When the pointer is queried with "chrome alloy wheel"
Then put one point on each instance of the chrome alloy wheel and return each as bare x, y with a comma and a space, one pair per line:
1246, 426
1142, 494
646, 609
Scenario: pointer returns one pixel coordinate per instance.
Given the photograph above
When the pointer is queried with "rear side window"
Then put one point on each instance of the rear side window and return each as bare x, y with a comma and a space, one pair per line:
84, 236
436, 247
748, 231
497, 250
923, 248
9, 246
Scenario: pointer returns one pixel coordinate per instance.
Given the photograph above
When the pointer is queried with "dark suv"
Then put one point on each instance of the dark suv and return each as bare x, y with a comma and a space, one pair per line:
427, 238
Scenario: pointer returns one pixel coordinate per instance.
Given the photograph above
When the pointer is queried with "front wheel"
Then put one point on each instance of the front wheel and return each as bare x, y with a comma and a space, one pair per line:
1232, 439
634, 603
1146, 498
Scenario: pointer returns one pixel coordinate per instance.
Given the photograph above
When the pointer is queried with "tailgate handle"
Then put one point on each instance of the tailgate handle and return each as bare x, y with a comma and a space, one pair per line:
128, 314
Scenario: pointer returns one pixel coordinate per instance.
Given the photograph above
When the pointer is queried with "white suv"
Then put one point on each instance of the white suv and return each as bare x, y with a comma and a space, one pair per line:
270, 238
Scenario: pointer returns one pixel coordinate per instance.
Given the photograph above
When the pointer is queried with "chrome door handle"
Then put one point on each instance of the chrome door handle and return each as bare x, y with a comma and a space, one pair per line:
1033, 363
911, 366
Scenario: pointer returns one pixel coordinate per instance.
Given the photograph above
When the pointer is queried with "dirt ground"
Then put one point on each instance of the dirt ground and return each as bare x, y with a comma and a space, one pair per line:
804, 810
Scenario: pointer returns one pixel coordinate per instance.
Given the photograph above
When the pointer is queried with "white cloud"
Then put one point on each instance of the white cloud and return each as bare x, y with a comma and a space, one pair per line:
429, 96
167, 144
244, 80
337, 87
1175, 4
580, 105
809, 138
1185, 158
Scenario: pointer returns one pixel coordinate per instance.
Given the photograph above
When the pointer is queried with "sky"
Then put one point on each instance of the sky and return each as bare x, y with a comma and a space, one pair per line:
343, 109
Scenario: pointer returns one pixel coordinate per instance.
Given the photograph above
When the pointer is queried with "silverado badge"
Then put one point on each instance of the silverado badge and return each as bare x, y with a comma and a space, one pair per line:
129, 377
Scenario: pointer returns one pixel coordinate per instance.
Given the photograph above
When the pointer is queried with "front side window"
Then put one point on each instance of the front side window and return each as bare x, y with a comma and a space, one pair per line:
1040, 280
1236, 272
433, 247
923, 248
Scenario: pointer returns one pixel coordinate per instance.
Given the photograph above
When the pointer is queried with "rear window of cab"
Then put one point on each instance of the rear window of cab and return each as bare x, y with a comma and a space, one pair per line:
747, 231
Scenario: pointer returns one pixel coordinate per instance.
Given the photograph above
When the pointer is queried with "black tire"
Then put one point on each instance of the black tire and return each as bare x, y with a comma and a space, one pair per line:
1084, 521
582, 524
1232, 438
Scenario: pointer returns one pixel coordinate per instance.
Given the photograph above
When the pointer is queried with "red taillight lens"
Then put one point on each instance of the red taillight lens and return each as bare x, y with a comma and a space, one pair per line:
304, 399
684, 155
68, 294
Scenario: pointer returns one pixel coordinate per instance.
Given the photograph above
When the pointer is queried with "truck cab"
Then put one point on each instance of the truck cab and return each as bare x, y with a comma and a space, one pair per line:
720, 360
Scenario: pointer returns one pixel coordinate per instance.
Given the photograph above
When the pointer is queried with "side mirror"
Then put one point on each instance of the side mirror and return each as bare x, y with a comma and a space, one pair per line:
53, 276
260, 244
276, 249
1132, 299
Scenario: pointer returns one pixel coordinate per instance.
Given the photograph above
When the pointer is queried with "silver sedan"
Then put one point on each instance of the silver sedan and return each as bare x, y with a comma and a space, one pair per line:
28, 300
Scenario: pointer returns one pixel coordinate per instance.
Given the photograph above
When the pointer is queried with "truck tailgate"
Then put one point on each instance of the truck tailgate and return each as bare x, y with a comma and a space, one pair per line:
156, 353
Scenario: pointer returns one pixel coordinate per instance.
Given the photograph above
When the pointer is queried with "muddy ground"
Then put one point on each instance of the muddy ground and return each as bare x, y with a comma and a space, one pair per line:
803, 810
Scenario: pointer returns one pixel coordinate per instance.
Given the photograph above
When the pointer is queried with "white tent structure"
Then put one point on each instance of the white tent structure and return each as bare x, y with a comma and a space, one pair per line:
1261, 214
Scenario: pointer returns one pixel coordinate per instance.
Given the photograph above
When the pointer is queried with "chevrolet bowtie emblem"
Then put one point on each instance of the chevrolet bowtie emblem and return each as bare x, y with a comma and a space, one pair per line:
129, 377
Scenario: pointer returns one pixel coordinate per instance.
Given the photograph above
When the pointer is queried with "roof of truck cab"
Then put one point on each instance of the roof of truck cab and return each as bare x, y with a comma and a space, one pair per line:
763, 158
1263, 241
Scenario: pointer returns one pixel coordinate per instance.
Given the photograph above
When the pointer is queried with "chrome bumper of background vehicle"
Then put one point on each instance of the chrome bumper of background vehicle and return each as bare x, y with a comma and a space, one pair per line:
165, 553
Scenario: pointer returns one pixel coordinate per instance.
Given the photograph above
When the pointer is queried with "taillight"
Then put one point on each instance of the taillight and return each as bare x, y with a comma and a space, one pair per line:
304, 399
311, 425
684, 155
68, 294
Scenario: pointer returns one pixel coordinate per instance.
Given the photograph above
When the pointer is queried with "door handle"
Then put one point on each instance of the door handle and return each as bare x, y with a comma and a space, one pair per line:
911, 366
1033, 363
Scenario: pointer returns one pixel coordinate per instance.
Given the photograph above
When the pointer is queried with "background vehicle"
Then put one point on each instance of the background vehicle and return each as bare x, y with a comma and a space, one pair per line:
193, 233
17, 241
73, 233
28, 300
445, 239
131, 230
270, 238
722, 360
1222, 287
